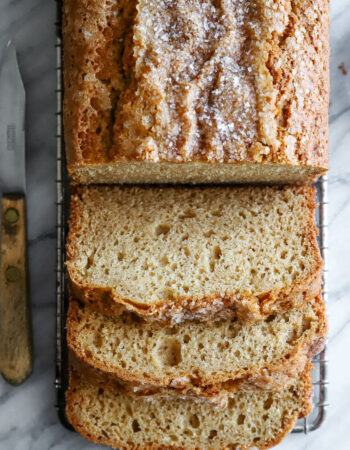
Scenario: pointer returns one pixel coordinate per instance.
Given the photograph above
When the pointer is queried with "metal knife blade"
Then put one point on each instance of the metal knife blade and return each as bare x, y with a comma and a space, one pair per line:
16, 337
12, 113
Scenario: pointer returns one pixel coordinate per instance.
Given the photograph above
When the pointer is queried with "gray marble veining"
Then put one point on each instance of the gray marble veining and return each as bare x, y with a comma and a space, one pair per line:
28, 419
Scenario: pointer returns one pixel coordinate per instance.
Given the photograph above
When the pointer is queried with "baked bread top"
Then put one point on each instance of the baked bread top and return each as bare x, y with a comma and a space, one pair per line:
196, 81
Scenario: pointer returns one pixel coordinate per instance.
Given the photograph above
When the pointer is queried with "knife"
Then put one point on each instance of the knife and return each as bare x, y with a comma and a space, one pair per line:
16, 341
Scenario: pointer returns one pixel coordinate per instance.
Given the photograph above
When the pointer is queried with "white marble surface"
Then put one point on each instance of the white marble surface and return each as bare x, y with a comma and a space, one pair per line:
28, 419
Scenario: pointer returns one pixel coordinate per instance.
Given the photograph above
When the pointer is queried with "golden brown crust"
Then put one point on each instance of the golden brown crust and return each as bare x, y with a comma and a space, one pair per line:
116, 110
244, 306
271, 377
73, 401
94, 35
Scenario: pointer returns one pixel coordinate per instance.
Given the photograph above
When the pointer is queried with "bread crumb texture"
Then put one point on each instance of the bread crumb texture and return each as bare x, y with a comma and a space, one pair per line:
267, 355
198, 249
196, 81
251, 419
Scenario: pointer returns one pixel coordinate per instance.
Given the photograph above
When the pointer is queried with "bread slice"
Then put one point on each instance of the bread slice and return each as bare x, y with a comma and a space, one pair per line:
193, 91
173, 254
210, 360
251, 419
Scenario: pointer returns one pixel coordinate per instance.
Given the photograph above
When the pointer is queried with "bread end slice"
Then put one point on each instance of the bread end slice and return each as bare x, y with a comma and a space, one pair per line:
251, 419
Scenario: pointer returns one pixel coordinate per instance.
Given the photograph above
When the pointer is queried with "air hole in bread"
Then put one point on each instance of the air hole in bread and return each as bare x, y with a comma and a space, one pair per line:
217, 252
213, 434
306, 324
94, 102
90, 260
169, 352
162, 229
188, 214
187, 339
268, 403
291, 337
186, 251
270, 318
194, 421
98, 341
164, 261
240, 419
135, 426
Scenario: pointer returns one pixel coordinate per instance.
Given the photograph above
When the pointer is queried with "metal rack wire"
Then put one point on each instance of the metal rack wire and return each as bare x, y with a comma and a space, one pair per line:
62, 202
320, 380
320, 374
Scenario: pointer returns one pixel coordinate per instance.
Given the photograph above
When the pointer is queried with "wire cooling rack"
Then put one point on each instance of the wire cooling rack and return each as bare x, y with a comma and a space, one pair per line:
319, 375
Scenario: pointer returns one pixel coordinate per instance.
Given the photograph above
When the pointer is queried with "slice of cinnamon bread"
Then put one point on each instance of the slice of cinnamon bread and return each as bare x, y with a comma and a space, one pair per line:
251, 419
173, 254
211, 360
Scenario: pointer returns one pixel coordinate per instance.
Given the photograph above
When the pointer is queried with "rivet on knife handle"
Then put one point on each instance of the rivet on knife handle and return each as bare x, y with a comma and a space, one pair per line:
16, 341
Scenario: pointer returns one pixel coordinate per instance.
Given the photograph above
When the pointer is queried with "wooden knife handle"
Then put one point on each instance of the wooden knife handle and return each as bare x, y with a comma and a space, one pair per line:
16, 339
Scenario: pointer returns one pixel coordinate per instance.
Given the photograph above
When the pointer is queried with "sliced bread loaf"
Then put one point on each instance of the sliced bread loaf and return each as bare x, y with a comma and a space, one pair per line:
194, 253
251, 419
211, 360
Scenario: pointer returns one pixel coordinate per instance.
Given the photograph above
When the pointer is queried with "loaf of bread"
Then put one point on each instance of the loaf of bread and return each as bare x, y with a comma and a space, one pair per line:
251, 419
173, 254
196, 91
211, 360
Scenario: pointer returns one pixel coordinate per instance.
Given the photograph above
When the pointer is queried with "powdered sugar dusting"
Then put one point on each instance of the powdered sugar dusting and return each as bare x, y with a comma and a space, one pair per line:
197, 80
193, 57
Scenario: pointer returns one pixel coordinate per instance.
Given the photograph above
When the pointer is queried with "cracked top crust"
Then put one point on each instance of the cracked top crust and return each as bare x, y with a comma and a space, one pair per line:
196, 81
